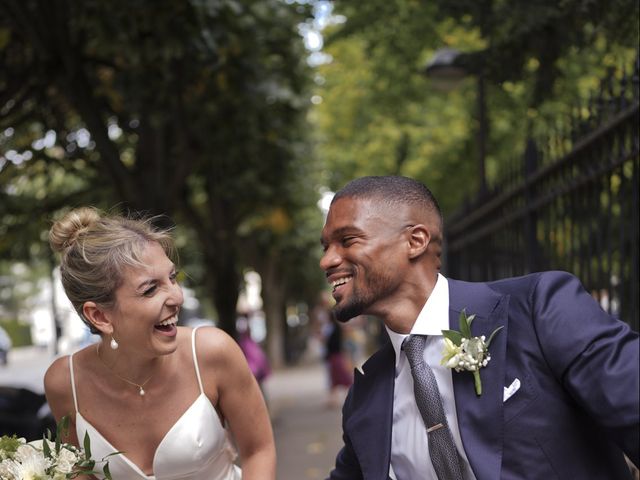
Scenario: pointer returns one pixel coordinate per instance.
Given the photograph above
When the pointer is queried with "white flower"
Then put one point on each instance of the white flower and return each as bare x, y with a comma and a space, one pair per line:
66, 460
45, 459
463, 351
452, 362
26, 466
4, 470
29, 451
29, 462
452, 354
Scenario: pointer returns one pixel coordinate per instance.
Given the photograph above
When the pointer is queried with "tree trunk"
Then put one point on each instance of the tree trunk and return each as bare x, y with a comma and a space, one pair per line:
273, 297
226, 289
221, 259
55, 317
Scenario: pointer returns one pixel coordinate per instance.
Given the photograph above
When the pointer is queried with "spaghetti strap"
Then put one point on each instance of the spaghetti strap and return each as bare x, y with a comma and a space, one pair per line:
195, 358
73, 382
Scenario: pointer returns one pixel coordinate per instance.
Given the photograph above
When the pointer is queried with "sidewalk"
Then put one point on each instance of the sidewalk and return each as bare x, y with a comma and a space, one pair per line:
308, 434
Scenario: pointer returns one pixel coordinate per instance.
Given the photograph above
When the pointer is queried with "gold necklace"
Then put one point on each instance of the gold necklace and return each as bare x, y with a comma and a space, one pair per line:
139, 385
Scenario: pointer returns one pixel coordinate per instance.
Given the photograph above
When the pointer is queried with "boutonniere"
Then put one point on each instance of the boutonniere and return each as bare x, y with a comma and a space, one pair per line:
462, 352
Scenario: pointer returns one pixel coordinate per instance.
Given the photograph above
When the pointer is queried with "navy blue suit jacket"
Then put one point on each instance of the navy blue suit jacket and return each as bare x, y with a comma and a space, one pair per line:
577, 409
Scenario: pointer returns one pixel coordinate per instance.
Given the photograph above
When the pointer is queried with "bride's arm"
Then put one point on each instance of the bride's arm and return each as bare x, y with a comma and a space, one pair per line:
240, 401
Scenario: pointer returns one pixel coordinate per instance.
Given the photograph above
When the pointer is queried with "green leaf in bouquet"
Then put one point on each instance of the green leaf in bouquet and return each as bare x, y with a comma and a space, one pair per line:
455, 337
86, 463
87, 445
46, 450
61, 430
465, 328
112, 454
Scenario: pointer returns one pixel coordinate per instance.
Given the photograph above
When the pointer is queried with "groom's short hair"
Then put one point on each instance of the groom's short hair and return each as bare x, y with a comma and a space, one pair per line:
392, 190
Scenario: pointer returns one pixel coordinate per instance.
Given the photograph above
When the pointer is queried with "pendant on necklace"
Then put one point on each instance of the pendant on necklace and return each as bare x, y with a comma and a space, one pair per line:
141, 392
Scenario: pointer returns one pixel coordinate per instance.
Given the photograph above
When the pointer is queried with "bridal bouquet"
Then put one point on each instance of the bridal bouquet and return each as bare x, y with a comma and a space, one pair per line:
46, 459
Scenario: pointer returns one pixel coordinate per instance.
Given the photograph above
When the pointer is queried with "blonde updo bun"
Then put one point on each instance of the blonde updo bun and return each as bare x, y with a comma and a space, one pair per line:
65, 231
96, 248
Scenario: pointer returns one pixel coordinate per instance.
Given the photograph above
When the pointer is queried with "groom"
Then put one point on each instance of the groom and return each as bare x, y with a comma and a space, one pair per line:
560, 394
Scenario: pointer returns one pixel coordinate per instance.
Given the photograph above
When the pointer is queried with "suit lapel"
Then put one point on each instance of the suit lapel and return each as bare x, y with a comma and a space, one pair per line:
480, 419
371, 421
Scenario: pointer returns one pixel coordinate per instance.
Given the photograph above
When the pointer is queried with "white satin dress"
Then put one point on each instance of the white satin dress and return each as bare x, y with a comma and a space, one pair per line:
196, 447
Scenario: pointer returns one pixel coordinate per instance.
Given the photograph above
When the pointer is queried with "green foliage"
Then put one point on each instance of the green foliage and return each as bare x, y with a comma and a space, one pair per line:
19, 333
19, 285
289, 231
508, 34
375, 123
8, 446
380, 114
193, 110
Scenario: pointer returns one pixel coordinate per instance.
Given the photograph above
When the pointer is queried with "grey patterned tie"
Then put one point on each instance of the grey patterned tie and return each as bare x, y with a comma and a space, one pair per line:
442, 450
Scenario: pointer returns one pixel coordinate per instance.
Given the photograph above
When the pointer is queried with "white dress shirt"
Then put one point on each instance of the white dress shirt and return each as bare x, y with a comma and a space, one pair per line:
410, 458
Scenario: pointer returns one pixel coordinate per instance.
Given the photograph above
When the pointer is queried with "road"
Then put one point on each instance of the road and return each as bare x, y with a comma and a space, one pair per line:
26, 368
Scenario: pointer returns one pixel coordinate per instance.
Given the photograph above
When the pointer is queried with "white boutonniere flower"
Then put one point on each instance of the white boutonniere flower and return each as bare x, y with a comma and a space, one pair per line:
462, 352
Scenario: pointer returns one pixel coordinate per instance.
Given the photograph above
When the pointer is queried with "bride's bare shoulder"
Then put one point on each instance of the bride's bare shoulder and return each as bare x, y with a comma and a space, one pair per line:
57, 387
58, 379
57, 374
215, 345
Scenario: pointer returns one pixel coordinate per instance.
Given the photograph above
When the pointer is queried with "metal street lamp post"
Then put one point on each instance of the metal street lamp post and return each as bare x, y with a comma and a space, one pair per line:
446, 74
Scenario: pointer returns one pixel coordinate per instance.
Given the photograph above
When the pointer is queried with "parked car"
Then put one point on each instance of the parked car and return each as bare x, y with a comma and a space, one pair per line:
24, 413
5, 346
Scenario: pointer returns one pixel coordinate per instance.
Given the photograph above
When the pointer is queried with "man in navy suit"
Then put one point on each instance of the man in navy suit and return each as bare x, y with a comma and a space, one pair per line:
560, 395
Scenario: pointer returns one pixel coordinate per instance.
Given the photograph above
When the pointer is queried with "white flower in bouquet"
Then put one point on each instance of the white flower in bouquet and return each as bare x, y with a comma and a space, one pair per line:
46, 459
27, 463
67, 459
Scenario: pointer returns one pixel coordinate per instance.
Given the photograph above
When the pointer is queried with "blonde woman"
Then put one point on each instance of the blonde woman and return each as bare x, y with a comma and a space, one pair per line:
162, 395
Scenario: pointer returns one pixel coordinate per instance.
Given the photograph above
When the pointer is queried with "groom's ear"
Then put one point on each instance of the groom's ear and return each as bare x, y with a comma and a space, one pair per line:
98, 317
419, 238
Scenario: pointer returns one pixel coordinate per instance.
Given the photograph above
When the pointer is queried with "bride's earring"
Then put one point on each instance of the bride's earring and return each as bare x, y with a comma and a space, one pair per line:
113, 344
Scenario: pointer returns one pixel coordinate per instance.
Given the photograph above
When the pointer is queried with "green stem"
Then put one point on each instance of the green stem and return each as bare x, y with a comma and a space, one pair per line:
476, 378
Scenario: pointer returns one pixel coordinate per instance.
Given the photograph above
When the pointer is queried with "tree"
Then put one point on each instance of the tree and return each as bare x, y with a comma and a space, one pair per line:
508, 35
189, 110
283, 246
380, 114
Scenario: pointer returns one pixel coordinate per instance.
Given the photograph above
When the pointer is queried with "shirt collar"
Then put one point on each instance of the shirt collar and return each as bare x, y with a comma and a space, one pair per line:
432, 319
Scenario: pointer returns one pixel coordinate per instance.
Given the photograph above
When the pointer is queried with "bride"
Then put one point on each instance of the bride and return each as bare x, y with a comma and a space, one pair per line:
176, 402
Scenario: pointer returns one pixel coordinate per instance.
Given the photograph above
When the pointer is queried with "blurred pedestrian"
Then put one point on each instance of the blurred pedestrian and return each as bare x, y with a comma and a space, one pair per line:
338, 365
355, 341
253, 352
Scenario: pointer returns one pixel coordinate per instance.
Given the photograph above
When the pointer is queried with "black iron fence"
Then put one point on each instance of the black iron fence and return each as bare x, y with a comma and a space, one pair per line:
571, 205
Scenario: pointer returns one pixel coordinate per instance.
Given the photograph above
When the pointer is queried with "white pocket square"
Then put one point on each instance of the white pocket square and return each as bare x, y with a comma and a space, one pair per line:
511, 390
